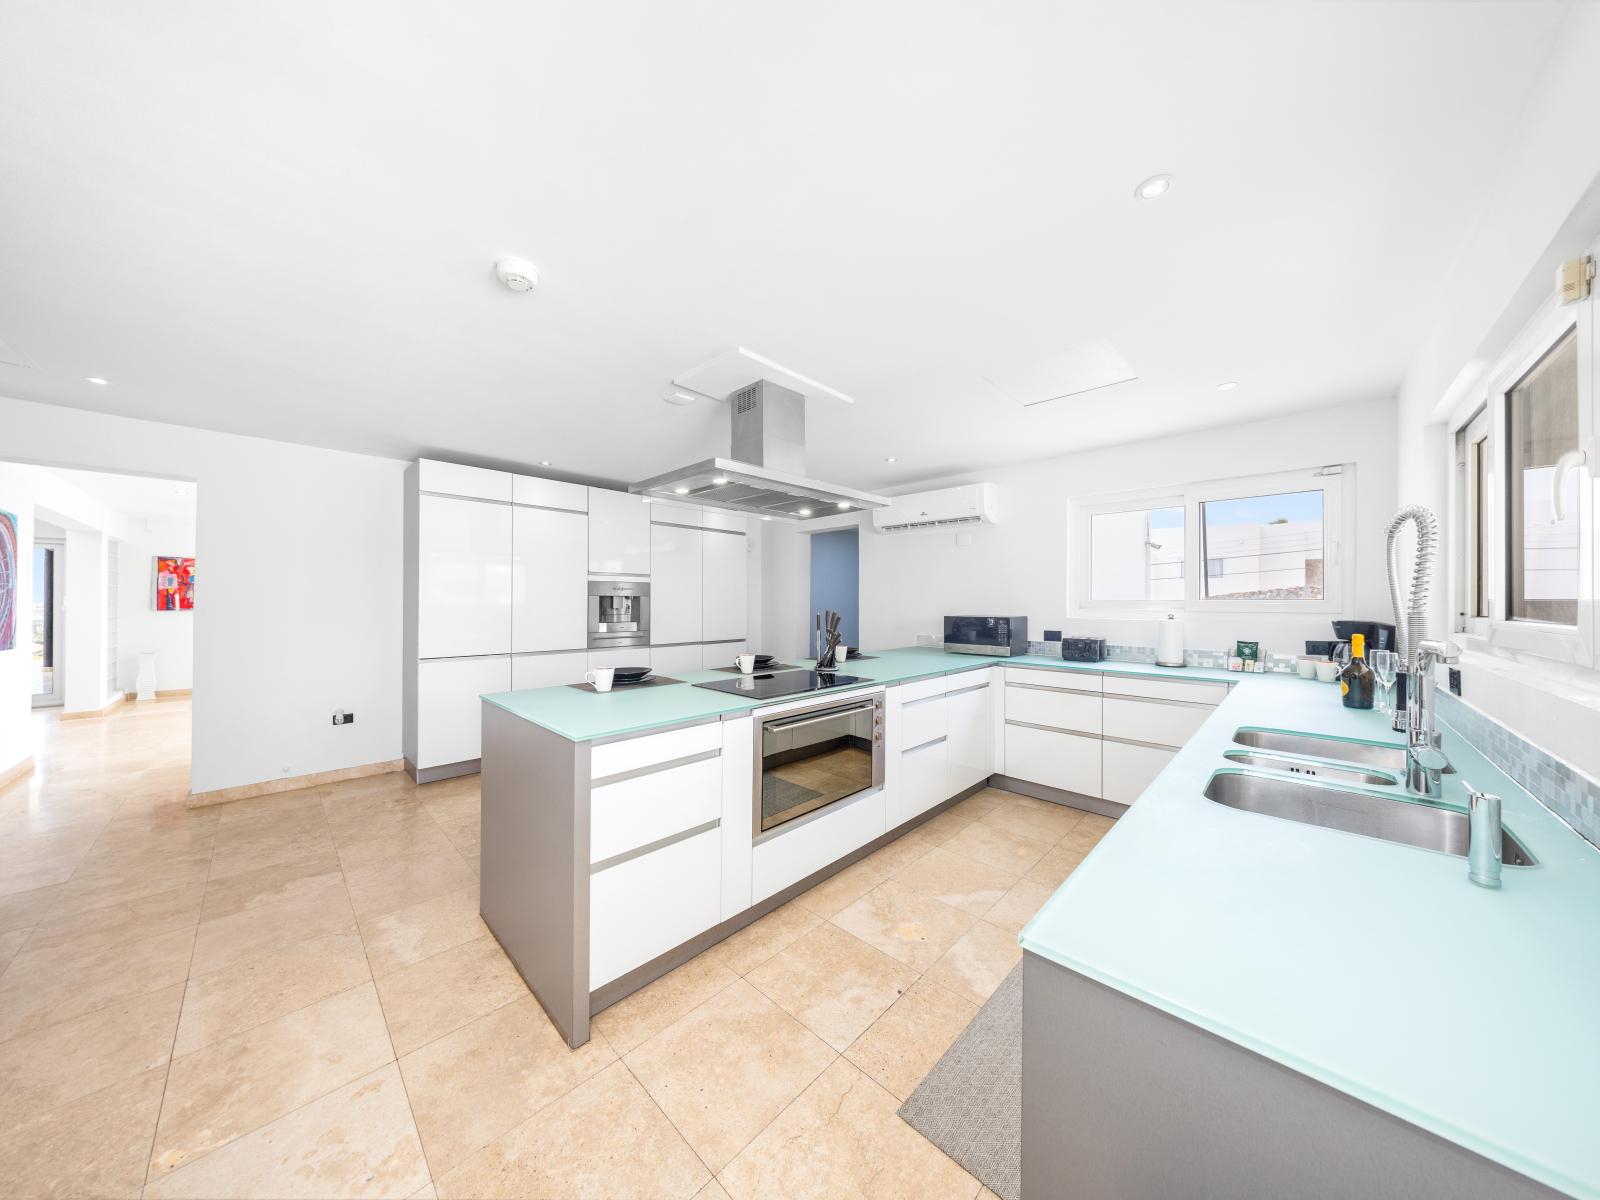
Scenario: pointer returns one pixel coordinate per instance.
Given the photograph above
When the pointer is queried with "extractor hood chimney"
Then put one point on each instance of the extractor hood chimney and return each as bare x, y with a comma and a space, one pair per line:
766, 476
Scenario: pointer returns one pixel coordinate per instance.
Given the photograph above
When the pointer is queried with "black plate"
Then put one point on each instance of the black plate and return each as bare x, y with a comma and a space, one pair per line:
621, 673
766, 660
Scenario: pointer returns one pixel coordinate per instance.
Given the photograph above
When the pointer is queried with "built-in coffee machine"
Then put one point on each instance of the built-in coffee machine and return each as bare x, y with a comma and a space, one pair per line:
619, 613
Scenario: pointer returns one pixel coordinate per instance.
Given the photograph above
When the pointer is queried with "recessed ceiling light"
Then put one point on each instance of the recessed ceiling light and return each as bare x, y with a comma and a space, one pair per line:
544, 462
1228, 386
805, 512
678, 398
844, 504
719, 481
681, 491
96, 379
1153, 188
766, 518
891, 458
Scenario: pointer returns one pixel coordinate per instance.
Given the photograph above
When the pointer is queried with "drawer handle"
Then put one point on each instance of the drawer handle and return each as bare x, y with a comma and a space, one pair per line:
653, 768
616, 860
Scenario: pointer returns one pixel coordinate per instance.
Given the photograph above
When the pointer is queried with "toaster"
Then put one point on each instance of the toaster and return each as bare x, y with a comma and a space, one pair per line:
1083, 649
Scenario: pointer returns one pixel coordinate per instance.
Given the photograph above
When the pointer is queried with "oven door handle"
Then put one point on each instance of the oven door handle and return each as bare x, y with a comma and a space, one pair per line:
827, 716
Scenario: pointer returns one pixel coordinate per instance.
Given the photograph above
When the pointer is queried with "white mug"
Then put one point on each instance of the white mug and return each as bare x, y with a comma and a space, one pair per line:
745, 662
600, 677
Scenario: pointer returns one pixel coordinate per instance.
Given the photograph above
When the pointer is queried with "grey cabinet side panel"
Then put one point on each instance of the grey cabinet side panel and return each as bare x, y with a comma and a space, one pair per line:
1122, 1099
533, 886
409, 559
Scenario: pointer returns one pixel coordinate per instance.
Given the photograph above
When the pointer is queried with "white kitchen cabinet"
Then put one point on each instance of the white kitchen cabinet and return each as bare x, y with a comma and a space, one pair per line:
725, 593
675, 583
449, 712
670, 512
619, 533
716, 518
644, 809
1129, 769
549, 580
643, 907
1069, 761
721, 654
627, 656
922, 720
969, 751
463, 577
1055, 707
670, 660
924, 777
1165, 722
548, 670
549, 493
455, 479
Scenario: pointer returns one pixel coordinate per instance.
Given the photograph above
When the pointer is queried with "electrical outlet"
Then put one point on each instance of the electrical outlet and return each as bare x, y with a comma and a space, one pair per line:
344, 718
1455, 680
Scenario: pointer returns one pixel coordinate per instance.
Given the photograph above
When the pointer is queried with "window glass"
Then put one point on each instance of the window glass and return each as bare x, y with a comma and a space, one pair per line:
1136, 555
1264, 547
1541, 426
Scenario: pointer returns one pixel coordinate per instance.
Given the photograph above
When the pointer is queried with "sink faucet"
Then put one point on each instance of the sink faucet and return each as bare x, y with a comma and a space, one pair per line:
1484, 838
1425, 762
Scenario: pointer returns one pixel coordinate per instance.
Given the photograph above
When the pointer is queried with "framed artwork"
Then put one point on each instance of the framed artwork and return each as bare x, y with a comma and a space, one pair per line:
8, 580
174, 583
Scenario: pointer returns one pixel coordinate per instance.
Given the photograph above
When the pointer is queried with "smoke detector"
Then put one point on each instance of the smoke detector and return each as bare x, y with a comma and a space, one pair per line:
518, 274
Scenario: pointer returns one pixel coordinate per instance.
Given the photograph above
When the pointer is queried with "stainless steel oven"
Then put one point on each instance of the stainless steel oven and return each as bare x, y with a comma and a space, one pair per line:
809, 758
619, 613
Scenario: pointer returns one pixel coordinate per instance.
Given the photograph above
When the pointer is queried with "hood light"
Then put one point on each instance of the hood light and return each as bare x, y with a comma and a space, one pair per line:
682, 491
1153, 188
1227, 387
95, 379
805, 512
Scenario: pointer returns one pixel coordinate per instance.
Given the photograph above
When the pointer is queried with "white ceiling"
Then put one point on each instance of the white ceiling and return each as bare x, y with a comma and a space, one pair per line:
135, 495
281, 219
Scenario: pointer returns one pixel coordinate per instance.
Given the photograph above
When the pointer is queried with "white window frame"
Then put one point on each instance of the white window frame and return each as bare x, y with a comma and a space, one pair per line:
1573, 644
1338, 557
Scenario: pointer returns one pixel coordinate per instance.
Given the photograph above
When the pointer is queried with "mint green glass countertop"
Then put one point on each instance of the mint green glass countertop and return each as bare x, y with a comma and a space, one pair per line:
1375, 968
585, 716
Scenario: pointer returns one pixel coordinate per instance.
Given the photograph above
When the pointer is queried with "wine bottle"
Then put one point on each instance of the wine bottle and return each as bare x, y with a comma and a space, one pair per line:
1356, 680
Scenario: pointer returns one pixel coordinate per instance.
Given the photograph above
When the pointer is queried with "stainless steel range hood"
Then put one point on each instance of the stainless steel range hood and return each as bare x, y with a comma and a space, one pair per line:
766, 474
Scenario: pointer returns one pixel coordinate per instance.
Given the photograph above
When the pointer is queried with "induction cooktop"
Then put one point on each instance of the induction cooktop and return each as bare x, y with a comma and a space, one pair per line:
769, 685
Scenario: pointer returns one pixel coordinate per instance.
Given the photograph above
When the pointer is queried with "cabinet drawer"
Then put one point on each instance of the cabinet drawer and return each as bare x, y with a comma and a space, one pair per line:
1053, 707
1166, 689
644, 907
1068, 761
921, 689
923, 778
922, 721
646, 808
1128, 770
1165, 724
651, 749
1077, 681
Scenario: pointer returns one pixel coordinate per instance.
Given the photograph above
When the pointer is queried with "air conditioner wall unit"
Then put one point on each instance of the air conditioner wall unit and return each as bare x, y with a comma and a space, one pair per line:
969, 504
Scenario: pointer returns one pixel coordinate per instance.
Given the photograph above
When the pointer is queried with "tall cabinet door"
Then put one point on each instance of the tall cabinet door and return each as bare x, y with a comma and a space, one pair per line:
726, 594
619, 533
463, 577
549, 588
675, 583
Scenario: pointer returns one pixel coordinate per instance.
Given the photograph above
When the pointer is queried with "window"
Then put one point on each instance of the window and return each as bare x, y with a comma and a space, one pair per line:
1267, 543
1524, 502
1137, 555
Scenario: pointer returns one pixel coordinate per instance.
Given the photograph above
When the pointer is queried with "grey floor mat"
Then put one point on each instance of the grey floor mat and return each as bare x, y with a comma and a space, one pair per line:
970, 1104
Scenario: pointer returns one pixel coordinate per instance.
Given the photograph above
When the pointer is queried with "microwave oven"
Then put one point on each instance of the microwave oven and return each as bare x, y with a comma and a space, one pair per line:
1001, 636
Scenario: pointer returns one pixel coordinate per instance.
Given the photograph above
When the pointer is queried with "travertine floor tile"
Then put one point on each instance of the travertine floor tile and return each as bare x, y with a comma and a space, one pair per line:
59, 1064
969, 884
268, 885
261, 929
979, 804
402, 882
904, 924
627, 1023
243, 1082
96, 1145
118, 924
46, 987
843, 889
833, 983
407, 837
904, 850
1032, 818
975, 965
428, 999
420, 931
604, 1139
474, 1084
1017, 907
712, 1191
1001, 847
24, 910
356, 1141
725, 1070
762, 938
252, 993
945, 826
903, 1044
1052, 870
843, 1137
10, 943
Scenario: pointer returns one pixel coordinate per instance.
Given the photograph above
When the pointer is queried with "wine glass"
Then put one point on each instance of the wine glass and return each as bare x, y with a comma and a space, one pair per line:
1385, 664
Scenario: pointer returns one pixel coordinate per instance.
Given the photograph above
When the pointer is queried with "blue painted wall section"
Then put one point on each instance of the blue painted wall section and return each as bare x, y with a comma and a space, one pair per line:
836, 582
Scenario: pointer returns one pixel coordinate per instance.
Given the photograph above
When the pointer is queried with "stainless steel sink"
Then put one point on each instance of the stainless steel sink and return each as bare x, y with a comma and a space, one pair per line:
1367, 754
1393, 820
1312, 770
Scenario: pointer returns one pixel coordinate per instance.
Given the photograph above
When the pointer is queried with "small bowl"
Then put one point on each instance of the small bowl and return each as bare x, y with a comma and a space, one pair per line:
1327, 671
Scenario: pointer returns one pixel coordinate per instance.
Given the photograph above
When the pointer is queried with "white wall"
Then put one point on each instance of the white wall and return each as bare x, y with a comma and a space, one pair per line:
298, 605
83, 612
140, 626
910, 581
16, 676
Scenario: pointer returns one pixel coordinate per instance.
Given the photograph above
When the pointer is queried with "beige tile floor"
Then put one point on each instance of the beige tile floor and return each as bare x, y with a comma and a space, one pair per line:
294, 996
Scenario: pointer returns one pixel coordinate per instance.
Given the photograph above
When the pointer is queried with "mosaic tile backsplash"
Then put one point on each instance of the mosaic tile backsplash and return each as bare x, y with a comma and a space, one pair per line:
1571, 795
1120, 652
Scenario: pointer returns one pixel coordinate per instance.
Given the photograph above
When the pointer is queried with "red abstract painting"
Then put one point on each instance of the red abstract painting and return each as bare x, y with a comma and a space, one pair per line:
174, 583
